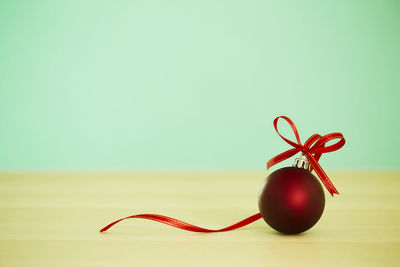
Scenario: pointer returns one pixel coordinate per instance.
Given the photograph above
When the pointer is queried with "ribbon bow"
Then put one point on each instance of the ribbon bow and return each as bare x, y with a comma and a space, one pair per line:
312, 149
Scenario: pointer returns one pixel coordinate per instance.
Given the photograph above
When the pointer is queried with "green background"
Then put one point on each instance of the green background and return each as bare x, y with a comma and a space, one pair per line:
170, 85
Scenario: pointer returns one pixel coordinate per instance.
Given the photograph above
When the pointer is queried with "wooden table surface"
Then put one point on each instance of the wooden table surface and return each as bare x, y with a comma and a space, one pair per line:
53, 219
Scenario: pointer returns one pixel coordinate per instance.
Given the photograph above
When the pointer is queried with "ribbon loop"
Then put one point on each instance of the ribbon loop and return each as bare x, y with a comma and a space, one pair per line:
296, 134
312, 149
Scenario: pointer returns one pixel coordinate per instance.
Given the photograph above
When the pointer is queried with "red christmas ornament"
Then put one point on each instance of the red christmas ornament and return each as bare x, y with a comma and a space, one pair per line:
292, 200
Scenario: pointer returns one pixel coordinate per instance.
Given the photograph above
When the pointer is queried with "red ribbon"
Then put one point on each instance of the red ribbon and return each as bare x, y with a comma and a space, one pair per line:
312, 149
186, 226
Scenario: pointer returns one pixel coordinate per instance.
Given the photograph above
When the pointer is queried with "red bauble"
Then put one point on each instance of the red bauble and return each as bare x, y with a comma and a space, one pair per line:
292, 200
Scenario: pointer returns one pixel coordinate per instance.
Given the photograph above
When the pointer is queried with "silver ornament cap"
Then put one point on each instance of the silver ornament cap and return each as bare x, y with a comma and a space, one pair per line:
301, 163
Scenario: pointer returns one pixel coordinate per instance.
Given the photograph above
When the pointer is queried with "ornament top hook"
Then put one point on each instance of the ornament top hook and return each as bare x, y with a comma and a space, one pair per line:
301, 163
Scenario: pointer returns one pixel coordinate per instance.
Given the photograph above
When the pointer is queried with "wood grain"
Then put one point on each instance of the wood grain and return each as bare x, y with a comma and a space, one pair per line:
53, 219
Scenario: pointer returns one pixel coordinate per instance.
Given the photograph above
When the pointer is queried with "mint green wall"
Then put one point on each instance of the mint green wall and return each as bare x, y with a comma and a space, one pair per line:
195, 84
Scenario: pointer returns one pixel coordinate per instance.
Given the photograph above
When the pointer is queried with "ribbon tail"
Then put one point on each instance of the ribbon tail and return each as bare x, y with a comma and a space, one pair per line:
186, 226
316, 157
322, 175
281, 157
